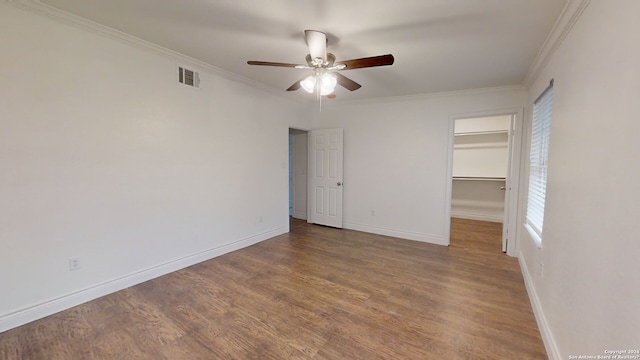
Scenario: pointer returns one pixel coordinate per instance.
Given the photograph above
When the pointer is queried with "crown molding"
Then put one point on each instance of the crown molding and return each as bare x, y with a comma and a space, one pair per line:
424, 96
572, 11
39, 8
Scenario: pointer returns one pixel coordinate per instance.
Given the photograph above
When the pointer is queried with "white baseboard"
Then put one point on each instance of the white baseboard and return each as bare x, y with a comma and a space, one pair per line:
545, 331
473, 216
300, 215
46, 308
409, 235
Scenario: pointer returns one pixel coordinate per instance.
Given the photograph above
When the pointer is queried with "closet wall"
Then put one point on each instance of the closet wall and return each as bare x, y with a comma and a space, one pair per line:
480, 163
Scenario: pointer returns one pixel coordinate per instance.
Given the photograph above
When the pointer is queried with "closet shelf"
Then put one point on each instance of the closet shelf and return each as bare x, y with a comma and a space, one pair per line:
485, 145
478, 178
482, 133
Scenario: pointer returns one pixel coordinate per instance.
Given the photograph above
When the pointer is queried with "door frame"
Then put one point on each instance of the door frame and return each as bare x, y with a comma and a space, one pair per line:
512, 182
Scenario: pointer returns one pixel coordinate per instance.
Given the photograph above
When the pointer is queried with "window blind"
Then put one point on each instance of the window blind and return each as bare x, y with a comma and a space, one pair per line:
538, 155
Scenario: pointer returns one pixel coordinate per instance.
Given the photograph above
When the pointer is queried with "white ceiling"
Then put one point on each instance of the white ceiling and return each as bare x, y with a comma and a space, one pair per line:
439, 45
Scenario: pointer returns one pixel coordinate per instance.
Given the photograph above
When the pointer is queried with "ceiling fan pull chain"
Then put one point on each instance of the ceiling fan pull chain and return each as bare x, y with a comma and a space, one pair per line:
319, 92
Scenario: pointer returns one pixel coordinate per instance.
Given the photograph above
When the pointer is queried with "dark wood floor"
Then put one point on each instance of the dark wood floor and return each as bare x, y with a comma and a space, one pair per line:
315, 293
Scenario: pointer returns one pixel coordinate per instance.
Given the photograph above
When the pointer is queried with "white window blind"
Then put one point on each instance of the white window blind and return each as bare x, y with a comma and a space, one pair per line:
538, 155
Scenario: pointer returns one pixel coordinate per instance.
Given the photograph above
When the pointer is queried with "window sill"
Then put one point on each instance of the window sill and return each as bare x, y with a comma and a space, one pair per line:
534, 235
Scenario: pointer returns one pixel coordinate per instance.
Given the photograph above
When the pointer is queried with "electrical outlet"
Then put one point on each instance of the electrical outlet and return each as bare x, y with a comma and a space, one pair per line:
260, 218
373, 213
541, 270
74, 264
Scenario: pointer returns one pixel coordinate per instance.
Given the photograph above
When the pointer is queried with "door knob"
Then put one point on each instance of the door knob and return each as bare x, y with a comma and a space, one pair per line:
503, 188
339, 183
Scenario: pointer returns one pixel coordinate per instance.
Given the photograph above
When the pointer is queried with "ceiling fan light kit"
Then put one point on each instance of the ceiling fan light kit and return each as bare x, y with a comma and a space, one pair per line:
325, 83
325, 67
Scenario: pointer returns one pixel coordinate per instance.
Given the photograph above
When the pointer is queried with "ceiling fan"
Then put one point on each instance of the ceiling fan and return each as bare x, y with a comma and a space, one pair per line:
325, 67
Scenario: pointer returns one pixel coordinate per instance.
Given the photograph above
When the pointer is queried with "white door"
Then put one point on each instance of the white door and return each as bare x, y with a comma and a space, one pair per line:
325, 177
511, 184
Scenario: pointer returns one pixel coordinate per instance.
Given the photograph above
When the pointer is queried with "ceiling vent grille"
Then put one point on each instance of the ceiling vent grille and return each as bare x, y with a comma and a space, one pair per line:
188, 77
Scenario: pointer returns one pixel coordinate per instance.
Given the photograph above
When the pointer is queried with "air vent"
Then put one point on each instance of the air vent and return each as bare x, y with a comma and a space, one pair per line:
188, 77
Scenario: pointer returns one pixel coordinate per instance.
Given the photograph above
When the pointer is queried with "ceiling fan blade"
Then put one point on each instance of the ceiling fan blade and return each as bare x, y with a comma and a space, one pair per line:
381, 60
295, 86
347, 83
268, 63
317, 43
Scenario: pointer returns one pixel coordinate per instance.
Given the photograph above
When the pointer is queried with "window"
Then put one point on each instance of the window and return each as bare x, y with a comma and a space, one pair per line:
538, 155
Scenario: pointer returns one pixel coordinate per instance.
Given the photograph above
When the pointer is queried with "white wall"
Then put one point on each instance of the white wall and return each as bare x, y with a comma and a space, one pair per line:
481, 147
104, 157
396, 158
478, 200
585, 280
481, 156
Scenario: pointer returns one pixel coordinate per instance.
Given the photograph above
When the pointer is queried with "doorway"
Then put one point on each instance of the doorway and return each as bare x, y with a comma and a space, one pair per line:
298, 147
485, 165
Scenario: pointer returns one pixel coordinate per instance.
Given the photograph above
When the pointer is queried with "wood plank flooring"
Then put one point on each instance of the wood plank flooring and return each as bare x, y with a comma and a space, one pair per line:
315, 293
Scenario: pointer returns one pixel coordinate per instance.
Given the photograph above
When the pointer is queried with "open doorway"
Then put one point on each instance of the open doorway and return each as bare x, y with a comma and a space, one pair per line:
484, 167
298, 147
